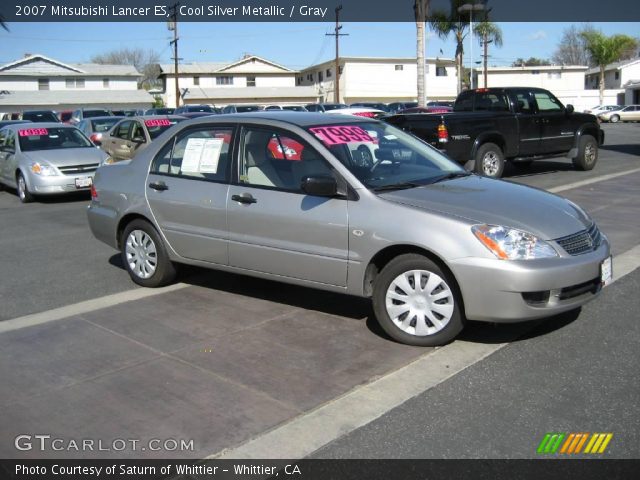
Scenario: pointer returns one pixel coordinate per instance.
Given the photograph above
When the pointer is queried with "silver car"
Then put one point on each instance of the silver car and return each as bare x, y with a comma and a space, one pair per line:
46, 159
361, 208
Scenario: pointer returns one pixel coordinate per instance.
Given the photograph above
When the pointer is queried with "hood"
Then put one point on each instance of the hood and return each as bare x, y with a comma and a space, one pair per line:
65, 157
496, 202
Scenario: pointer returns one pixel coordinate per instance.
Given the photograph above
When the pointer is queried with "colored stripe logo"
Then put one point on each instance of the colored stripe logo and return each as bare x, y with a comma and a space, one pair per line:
573, 443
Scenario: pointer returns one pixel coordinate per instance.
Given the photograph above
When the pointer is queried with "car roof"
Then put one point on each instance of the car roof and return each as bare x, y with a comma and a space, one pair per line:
300, 119
19, 126
152, 117
104, 117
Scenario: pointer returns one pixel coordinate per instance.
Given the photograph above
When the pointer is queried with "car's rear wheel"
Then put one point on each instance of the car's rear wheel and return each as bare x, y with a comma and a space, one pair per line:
614, 118
24, 194
145, 256
417, 303
587, 153
490, 160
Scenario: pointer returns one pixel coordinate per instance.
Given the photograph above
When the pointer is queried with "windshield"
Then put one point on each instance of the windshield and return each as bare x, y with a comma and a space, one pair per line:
32, 139
95, 113
199, 108
156, 126
384, 157
40, 117
334, 106
105, 124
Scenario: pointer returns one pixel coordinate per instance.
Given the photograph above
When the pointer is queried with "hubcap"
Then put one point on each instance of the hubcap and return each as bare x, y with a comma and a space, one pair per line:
141, 253
419, 302
490, 164
22, 187
589, 153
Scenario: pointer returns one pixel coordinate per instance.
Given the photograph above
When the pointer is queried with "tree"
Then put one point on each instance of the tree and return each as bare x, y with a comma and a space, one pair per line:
572, 48
604, 50
488, 32
145, 61
420, 8
453, 23
531, 62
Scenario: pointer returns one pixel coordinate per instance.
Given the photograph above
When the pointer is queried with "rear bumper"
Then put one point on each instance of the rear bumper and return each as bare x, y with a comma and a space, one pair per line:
512, 291
103, 224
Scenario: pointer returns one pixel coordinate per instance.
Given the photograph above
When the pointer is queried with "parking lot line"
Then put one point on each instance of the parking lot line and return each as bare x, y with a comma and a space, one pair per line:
312, 430
582, 183
85, 307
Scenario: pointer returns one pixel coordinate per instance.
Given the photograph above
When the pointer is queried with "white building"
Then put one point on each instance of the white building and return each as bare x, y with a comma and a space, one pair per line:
567, 82
365, 79
620, 75
36, 82
250, 80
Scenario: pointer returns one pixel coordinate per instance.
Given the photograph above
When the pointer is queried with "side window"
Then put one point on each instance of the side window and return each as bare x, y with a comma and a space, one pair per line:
547, 102
272, 158
123, 130
201, 154
524, 103
10, 141
492, 102
137, 131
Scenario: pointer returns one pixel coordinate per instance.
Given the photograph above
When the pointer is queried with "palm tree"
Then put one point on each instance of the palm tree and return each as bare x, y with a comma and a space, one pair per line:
420, 8
455, 23
488, 32
604, 50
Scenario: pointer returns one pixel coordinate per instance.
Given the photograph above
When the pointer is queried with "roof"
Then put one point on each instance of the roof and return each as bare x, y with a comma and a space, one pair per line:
34, 98
219, 67
433, 60
301, 119
251, 92
41, 65
615, 65
544, 68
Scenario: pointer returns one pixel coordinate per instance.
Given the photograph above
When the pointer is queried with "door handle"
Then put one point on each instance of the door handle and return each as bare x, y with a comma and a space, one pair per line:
159, 186
244, 198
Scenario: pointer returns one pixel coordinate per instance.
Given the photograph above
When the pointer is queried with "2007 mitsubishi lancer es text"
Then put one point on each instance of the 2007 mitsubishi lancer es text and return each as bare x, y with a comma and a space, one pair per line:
353, 205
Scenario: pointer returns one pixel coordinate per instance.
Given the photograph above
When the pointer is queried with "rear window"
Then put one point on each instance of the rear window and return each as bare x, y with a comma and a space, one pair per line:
33, 139
334, 106
247, 108
40, 117
156, 126
105, 124
464, 102
95, 113
200, 108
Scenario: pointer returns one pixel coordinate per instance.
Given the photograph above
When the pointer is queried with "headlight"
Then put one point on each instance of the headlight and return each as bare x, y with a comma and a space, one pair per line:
511, 244
108, 161
44, 170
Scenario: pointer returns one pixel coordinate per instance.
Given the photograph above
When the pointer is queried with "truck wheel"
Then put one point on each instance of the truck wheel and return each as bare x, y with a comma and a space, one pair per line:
614, 118
417, 303
587, 153
490, 160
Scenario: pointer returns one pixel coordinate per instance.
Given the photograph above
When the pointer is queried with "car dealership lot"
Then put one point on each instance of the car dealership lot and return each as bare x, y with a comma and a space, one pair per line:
221, 358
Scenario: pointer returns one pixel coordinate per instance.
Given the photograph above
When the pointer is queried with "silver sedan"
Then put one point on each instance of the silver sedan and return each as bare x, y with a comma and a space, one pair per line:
354, 206
46, 159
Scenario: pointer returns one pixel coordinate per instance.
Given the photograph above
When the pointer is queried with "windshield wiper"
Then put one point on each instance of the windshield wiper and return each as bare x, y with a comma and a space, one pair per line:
450, 176
397, 186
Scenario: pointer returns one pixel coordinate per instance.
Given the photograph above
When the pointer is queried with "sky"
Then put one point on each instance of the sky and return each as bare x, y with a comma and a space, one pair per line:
294, 45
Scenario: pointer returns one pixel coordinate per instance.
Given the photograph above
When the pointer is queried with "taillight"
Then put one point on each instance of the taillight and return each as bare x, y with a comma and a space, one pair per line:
94, 192
443, 133
95, 138
366, 114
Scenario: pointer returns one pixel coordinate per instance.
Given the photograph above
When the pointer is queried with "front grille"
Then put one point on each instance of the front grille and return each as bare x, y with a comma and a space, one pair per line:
582, 242
78, 169
592, 286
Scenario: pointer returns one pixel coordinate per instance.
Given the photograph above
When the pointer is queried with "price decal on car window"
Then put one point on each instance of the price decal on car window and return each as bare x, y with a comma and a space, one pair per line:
158, 122
32, 132
340, 135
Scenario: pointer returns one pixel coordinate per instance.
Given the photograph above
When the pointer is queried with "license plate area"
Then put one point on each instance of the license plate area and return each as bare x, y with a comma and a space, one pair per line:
83, 182
606, 271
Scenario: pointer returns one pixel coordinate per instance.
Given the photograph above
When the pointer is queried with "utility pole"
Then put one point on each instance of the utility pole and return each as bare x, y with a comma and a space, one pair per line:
337, 34
485, 57
173, 25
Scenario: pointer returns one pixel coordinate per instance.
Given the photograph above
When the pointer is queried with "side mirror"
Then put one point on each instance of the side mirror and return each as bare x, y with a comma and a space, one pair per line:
569, 109
320, 185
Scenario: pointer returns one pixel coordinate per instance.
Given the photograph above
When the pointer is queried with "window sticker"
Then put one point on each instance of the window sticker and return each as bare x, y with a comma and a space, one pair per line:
157, 122
31, 132
201, 155
341, 134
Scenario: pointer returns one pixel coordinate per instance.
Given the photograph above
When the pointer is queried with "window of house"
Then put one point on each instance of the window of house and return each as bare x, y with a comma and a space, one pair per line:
310, 77
105, 83
79, 82
74, 82
554, 75
251, 81
328, 73
340, 69
441, 71
196, 80
224, 80
399, 68
617, 75
43, 84
535, 72
320, 77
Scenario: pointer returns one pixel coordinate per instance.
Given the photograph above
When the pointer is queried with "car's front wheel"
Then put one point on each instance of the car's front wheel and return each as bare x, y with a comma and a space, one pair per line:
490, 160
587, 153
614, 118
145, 256
417, 303
24, 194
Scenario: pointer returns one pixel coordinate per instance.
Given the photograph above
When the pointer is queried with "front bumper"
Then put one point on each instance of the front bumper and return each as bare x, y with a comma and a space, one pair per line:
510, 291
56, 184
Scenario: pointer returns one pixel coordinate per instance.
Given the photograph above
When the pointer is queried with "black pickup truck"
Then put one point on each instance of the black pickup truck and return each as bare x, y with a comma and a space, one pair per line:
489, 126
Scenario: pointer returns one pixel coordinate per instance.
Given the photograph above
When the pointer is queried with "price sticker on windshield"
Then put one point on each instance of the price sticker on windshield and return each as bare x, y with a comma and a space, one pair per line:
158, 122
341, 135
32, 132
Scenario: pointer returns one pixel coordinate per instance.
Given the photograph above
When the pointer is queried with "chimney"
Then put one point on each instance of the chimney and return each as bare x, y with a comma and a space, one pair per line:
27, 55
